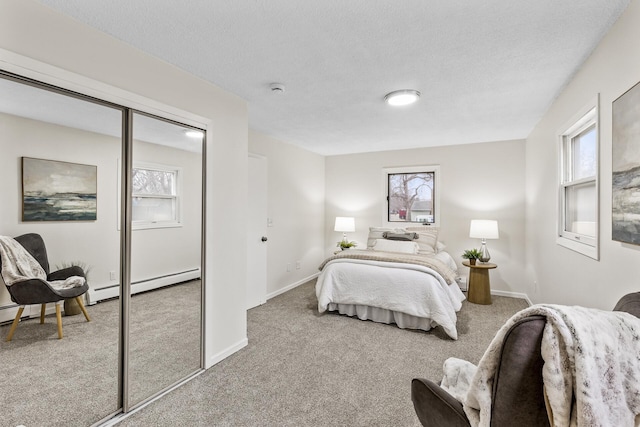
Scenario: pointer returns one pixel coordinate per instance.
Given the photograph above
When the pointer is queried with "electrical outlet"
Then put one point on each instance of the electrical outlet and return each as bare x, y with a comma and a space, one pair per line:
298, 265
462, 283
112, 275
288, 267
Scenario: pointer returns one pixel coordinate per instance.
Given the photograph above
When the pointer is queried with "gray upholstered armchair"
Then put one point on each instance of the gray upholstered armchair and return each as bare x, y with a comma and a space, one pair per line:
36, 291
517, 397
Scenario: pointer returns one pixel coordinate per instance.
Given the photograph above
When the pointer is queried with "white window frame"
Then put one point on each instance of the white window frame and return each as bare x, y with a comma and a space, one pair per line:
587, 117
177, 196
435, 169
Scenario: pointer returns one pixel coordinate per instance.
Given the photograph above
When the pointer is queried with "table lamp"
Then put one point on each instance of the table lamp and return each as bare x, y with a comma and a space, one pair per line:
345, 224
484, 229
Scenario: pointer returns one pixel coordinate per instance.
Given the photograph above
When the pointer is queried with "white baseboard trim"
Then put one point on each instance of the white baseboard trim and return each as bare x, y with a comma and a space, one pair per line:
512, 295
220, 356
112, 291
291, 286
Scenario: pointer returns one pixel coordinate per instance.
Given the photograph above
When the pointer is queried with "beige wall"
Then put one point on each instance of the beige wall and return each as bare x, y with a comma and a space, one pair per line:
479, 181
296, 208
556, 274
81, 57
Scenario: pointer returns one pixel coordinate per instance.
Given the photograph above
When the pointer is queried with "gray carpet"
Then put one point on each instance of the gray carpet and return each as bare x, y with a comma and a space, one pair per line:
74, 381
305, 369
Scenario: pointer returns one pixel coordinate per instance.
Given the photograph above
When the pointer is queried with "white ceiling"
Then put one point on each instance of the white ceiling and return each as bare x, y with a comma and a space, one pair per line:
487, 69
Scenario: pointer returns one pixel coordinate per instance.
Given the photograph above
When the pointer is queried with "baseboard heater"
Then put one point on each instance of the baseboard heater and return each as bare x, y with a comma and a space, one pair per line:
113, 291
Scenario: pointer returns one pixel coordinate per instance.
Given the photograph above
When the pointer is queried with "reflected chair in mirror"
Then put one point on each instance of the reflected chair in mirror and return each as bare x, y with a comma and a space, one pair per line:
37, 291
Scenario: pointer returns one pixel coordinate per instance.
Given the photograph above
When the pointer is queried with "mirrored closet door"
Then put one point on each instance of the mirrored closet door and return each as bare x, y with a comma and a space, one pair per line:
59, 165
166, 241
118, 193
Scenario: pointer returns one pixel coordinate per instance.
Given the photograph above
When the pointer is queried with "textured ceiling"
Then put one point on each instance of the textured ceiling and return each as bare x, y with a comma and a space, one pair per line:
487, 69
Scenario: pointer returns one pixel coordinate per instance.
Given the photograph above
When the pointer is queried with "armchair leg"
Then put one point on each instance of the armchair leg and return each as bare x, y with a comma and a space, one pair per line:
84, 310
59, 317
14, 325
42, 310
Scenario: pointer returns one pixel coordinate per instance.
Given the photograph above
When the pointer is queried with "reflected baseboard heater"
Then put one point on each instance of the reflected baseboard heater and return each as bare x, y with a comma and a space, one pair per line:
113, 291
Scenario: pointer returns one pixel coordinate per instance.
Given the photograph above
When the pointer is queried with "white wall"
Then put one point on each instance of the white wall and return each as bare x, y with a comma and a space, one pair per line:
479, 181
82, 58
296, 208
556, 274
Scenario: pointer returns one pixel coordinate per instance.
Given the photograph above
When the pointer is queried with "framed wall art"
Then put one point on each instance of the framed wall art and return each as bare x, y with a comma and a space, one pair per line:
625, 213
58, 191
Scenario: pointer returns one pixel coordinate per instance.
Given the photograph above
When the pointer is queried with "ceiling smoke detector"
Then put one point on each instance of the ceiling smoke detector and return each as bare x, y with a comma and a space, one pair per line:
277, 87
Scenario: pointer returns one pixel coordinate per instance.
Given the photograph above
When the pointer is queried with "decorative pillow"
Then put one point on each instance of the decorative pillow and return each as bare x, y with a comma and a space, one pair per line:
396, 246
440, 247
400, 236
427, 238
376, 233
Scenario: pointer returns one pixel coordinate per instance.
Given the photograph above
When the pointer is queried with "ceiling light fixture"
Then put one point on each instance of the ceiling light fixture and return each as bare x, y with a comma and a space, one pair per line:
402, 97
192, 133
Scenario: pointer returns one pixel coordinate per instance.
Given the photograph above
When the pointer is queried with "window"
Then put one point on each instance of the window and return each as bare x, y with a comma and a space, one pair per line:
412, 195
156, 201
578, 210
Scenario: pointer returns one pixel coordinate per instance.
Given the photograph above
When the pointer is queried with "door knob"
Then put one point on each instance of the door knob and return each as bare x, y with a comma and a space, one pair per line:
264, 238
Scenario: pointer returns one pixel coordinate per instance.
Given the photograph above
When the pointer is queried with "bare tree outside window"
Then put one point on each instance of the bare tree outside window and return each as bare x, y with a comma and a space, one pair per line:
148, 181
411, 197
155, 196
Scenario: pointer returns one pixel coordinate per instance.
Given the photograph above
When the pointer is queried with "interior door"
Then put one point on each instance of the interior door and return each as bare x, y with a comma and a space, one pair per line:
257, 232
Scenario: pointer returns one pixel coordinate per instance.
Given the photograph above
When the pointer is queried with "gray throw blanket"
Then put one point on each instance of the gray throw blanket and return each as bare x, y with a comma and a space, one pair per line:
19, 265
591, 370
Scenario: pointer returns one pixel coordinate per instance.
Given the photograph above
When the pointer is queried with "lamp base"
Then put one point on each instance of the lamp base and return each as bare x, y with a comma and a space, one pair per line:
484, 252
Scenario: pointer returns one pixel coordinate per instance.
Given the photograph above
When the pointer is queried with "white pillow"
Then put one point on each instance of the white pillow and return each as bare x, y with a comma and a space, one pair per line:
376, 233
428, 237
396, 246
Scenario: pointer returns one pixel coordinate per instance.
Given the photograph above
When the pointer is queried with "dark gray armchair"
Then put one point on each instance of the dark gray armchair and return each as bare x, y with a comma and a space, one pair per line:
36, 291
518, 397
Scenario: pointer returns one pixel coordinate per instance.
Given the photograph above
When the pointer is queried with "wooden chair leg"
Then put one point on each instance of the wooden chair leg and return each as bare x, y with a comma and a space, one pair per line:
14, 325
84, 310
59, 317
42, 310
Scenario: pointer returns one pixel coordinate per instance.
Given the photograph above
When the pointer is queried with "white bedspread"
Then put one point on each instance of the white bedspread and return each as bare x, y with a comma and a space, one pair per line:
402, 287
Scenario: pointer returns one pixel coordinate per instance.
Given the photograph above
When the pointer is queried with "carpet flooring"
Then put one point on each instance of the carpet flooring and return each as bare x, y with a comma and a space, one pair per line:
302, 368
74, 381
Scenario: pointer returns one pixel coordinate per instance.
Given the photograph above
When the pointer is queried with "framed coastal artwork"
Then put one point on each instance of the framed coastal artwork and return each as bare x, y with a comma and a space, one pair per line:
625, 213
58, 191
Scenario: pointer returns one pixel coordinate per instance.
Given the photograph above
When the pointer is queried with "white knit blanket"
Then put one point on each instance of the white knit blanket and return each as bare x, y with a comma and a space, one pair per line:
591, 368
19, 265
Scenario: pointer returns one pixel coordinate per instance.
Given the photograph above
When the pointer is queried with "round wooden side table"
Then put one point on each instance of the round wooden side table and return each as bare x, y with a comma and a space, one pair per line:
479, 291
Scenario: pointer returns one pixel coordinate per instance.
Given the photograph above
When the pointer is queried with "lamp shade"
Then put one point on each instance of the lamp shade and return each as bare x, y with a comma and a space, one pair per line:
345, 223
484, 229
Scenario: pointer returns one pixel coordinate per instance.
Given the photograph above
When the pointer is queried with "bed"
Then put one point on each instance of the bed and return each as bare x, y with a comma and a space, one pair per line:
404, 276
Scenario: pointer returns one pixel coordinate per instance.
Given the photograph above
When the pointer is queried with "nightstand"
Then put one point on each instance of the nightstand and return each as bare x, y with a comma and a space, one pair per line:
479, 291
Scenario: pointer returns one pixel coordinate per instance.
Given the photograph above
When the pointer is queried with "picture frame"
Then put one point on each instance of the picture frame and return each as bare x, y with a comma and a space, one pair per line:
625, 206
55, 190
